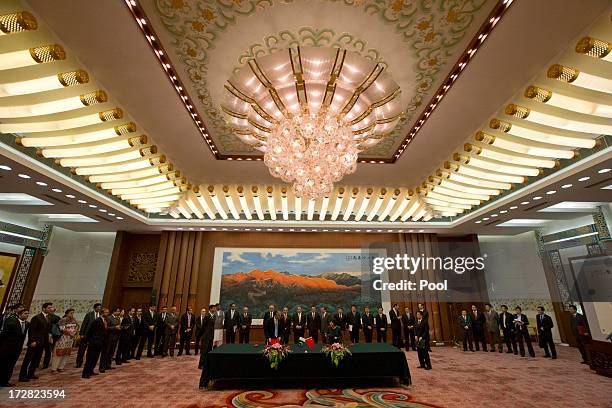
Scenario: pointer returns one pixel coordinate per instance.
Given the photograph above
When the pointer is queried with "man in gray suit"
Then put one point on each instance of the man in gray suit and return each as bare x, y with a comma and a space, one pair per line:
171, 327
492, 324
325, 319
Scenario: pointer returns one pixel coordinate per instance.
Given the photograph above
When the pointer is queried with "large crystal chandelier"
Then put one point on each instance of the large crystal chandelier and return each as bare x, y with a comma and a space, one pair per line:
311, 111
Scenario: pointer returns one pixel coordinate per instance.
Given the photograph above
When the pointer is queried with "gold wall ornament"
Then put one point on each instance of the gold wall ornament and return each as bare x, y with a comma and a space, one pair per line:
17, 22
129, 127
593, 47
72, 78
47, 53
93, 98
562, 73
538, 94
518, 111
112, 114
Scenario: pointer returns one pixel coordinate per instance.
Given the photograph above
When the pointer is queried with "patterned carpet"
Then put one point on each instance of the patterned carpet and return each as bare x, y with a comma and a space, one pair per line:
458, 379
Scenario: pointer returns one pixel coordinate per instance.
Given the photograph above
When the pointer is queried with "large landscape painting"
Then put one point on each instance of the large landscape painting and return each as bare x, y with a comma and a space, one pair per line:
293, 277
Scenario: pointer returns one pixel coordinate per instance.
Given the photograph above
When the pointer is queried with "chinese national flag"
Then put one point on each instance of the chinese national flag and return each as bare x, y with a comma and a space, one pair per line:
310, 342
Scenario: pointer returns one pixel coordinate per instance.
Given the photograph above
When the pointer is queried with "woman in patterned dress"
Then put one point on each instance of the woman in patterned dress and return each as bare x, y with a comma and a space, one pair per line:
63, 346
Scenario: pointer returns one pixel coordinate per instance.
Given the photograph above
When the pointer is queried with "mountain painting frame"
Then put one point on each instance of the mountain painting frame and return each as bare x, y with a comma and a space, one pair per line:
332, 277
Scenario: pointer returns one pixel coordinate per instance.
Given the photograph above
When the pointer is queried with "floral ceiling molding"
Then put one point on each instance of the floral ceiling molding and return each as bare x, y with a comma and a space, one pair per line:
418, 41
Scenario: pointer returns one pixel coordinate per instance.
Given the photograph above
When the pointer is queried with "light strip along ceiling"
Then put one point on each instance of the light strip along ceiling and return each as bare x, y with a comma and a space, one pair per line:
564, 109
259, 202
51, 103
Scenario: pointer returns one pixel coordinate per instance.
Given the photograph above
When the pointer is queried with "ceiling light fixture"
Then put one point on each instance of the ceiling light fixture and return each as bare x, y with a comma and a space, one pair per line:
320, 108
6, 168
24, 176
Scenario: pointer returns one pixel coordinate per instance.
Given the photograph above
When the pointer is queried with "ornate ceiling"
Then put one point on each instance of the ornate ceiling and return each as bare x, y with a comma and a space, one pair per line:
418, 42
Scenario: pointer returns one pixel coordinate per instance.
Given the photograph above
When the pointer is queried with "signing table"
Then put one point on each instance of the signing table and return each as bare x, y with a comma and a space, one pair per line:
246, 362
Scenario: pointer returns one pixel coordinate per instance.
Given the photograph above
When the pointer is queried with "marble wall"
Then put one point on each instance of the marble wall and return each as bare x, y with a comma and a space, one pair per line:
74, 271
515, 275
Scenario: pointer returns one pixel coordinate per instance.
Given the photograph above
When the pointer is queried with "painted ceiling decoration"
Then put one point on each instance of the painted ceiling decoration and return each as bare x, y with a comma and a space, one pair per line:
48, 102
566, 108
51, 105
199, 44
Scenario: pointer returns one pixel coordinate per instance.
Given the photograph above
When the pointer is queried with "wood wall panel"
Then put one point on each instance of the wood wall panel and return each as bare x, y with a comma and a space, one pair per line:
185, 263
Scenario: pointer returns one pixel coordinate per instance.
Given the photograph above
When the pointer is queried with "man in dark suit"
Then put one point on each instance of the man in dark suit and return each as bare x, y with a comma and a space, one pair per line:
425, 315
230, 324
521, 322
244, 322
421, 330
545, 325
10, 311
380, 321
313, 323
268, 322
172, 323
87, 320
353, 324
38, 337
97, 337
112, 338
160, 330
138, 330
285, 324
128, 329
186, 331
507, 327
340, 319
199, 322
14, 329
478, 328
53, 320
465, 322
580, 329
326, 317
148, 332
396, 326
207, 334
367, 321
299, 325
408, 325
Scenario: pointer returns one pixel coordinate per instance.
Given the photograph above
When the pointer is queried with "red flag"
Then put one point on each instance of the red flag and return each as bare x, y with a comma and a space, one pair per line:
274, 340
310, 342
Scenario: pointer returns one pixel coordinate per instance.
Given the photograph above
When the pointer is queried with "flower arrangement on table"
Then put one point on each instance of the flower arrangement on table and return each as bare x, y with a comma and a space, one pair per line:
275, 353
336, 352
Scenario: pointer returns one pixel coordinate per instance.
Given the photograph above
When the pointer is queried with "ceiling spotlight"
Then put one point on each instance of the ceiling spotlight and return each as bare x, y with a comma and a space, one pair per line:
493, 215
93, 206
40, 183
102, 210
82, 201
477, 222
485, 219
537, 198
551, 192
24, 176
119, 218
3, 167
111, 214
602, 171
57, 190
421, 230
503, 211
525, 203
69, 196
514, 207
566, 185
584, 178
